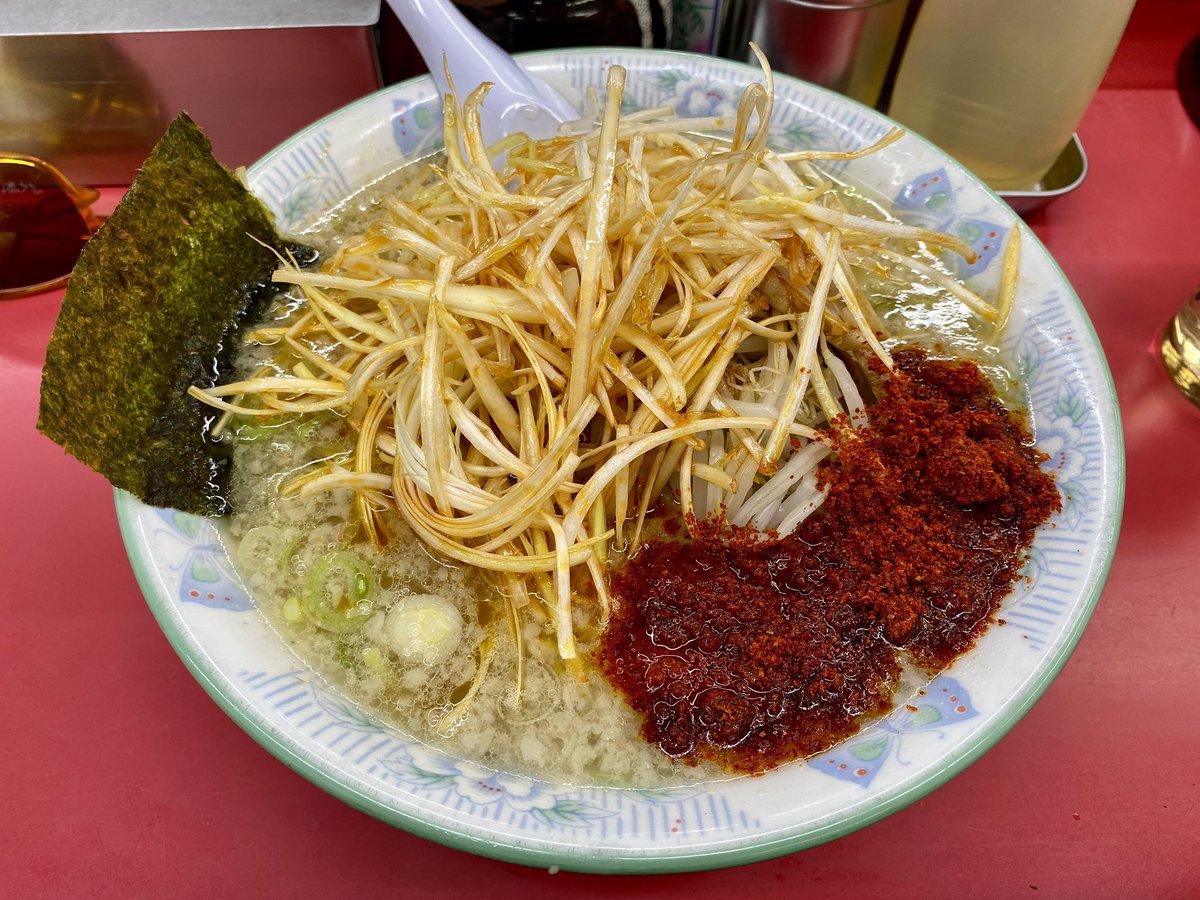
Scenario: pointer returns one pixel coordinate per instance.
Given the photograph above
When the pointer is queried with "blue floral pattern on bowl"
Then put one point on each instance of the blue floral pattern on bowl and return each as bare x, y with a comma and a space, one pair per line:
206, 575
300, 700
940, 705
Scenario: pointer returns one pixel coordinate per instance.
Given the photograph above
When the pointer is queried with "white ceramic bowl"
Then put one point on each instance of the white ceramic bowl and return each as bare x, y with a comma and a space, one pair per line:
212, 623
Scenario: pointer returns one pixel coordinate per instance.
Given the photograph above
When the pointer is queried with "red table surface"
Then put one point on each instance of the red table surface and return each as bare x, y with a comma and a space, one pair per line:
121, 777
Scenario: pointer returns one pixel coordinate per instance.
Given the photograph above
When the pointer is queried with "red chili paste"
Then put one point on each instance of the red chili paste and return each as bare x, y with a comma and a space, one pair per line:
752, 650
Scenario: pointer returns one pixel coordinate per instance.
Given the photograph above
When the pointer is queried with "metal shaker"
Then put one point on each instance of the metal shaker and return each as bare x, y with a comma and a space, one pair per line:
844, 45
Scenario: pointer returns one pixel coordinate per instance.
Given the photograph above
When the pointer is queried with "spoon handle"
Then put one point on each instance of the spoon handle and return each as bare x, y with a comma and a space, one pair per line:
517, 102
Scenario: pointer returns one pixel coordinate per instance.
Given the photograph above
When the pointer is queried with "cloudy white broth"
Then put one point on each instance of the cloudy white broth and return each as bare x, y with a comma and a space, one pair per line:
567, 728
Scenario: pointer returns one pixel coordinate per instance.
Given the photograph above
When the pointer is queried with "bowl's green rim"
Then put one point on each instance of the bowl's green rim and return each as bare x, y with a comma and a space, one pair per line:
623, 862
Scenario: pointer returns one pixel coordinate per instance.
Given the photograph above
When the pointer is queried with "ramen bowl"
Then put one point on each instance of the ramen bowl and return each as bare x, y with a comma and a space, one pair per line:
211, 619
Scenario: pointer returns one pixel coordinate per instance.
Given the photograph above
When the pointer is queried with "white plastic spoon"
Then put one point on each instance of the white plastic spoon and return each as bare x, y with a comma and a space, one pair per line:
518, 102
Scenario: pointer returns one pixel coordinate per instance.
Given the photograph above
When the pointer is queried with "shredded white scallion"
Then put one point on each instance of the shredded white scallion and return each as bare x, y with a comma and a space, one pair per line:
530, 356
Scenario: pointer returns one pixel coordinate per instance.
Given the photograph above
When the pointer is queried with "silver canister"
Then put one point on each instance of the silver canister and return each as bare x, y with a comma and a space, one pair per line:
844, 45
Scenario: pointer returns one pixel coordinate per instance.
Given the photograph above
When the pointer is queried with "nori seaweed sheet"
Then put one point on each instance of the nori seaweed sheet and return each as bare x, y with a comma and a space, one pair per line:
155, 304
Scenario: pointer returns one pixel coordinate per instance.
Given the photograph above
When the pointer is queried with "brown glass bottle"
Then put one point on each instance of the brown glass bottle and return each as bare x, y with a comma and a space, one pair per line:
518, 25
545, 24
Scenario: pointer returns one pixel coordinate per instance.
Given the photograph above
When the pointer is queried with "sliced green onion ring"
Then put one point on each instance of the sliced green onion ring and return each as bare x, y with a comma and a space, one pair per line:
340, 592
